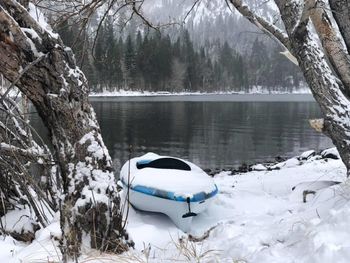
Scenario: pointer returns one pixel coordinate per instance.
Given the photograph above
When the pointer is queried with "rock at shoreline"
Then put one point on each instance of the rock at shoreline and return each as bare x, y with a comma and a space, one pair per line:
259, 167
330, 153
306, 155
280, 162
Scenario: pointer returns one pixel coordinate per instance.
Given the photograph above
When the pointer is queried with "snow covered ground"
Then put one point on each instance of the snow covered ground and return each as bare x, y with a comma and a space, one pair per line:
256, 217
254, 90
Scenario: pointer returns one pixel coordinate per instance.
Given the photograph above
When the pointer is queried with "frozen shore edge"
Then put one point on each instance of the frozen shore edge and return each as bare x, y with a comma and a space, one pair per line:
124, 93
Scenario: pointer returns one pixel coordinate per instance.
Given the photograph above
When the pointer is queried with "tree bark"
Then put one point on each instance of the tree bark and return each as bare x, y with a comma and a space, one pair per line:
325, 88
336, 52
341, 13
59, 91
328, 90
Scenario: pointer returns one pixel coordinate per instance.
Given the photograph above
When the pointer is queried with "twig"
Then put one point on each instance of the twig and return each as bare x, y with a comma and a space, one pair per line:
128, 190
191, 9
201, 238
29, 66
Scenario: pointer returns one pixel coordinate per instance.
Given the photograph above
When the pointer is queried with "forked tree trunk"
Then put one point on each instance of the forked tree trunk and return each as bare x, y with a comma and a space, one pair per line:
49, 77
330, 86
325, 86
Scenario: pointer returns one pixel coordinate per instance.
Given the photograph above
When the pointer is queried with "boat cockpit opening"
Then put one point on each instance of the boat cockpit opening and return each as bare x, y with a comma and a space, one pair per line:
164, 163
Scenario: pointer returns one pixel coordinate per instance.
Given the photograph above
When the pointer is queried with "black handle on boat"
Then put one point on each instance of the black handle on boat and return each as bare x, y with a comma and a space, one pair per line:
189, 214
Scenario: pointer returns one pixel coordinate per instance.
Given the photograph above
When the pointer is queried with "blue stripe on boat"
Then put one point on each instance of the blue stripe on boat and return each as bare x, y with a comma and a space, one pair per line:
144, 162
201, 196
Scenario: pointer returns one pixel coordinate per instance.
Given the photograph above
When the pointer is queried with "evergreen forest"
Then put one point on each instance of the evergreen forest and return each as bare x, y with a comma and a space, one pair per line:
155, 61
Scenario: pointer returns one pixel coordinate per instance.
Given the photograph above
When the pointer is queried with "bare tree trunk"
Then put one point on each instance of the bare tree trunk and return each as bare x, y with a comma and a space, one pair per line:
330, 91
341, 13
59, 91
333, 46
325, 87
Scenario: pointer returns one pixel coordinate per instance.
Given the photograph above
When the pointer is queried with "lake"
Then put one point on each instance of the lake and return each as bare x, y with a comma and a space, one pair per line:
213, 131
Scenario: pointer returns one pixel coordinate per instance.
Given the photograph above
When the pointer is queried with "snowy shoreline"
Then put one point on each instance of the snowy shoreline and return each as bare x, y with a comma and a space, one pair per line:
271, 164
126, 93
256, 217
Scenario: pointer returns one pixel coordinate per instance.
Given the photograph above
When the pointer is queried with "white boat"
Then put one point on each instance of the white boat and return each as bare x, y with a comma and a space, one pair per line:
167, 185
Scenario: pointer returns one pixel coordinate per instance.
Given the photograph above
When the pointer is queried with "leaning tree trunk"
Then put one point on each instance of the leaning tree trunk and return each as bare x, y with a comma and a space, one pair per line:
45, 71
325, 86
341, 13
330, 85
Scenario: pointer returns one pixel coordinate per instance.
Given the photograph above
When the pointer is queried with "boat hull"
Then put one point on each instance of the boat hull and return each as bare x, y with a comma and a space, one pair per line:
173, 209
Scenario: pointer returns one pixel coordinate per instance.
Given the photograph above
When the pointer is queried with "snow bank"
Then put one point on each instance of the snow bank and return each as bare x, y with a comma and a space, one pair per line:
256, 217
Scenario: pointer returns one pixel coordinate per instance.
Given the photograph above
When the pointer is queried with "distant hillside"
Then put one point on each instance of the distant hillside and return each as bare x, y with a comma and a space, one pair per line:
212, 20
214, 50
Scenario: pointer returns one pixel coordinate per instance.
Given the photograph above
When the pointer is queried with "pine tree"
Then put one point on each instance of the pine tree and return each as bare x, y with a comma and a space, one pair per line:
100, 58
258, 63
130, 63
190, 59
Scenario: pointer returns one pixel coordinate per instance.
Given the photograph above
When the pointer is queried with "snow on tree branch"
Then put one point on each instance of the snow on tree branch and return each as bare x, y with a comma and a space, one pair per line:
261, 23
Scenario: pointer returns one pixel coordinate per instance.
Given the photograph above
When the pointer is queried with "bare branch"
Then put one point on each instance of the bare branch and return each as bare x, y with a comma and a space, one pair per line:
13, 84
26, 154
262, 23
196, 2
137, 11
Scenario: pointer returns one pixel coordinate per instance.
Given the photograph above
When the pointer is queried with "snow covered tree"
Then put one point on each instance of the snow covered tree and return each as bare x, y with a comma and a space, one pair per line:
34, 59
313, 40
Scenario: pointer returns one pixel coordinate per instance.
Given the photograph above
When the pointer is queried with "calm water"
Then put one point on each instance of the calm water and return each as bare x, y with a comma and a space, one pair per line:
211, 131
218, 131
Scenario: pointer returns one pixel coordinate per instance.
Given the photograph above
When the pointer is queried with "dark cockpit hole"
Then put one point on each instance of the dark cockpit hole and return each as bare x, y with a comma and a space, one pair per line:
164, 163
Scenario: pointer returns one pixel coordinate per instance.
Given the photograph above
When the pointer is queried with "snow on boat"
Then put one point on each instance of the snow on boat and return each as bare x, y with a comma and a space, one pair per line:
167, 185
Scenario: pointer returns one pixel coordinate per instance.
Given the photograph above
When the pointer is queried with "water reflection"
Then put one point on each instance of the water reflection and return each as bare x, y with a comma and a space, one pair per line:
210, 133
